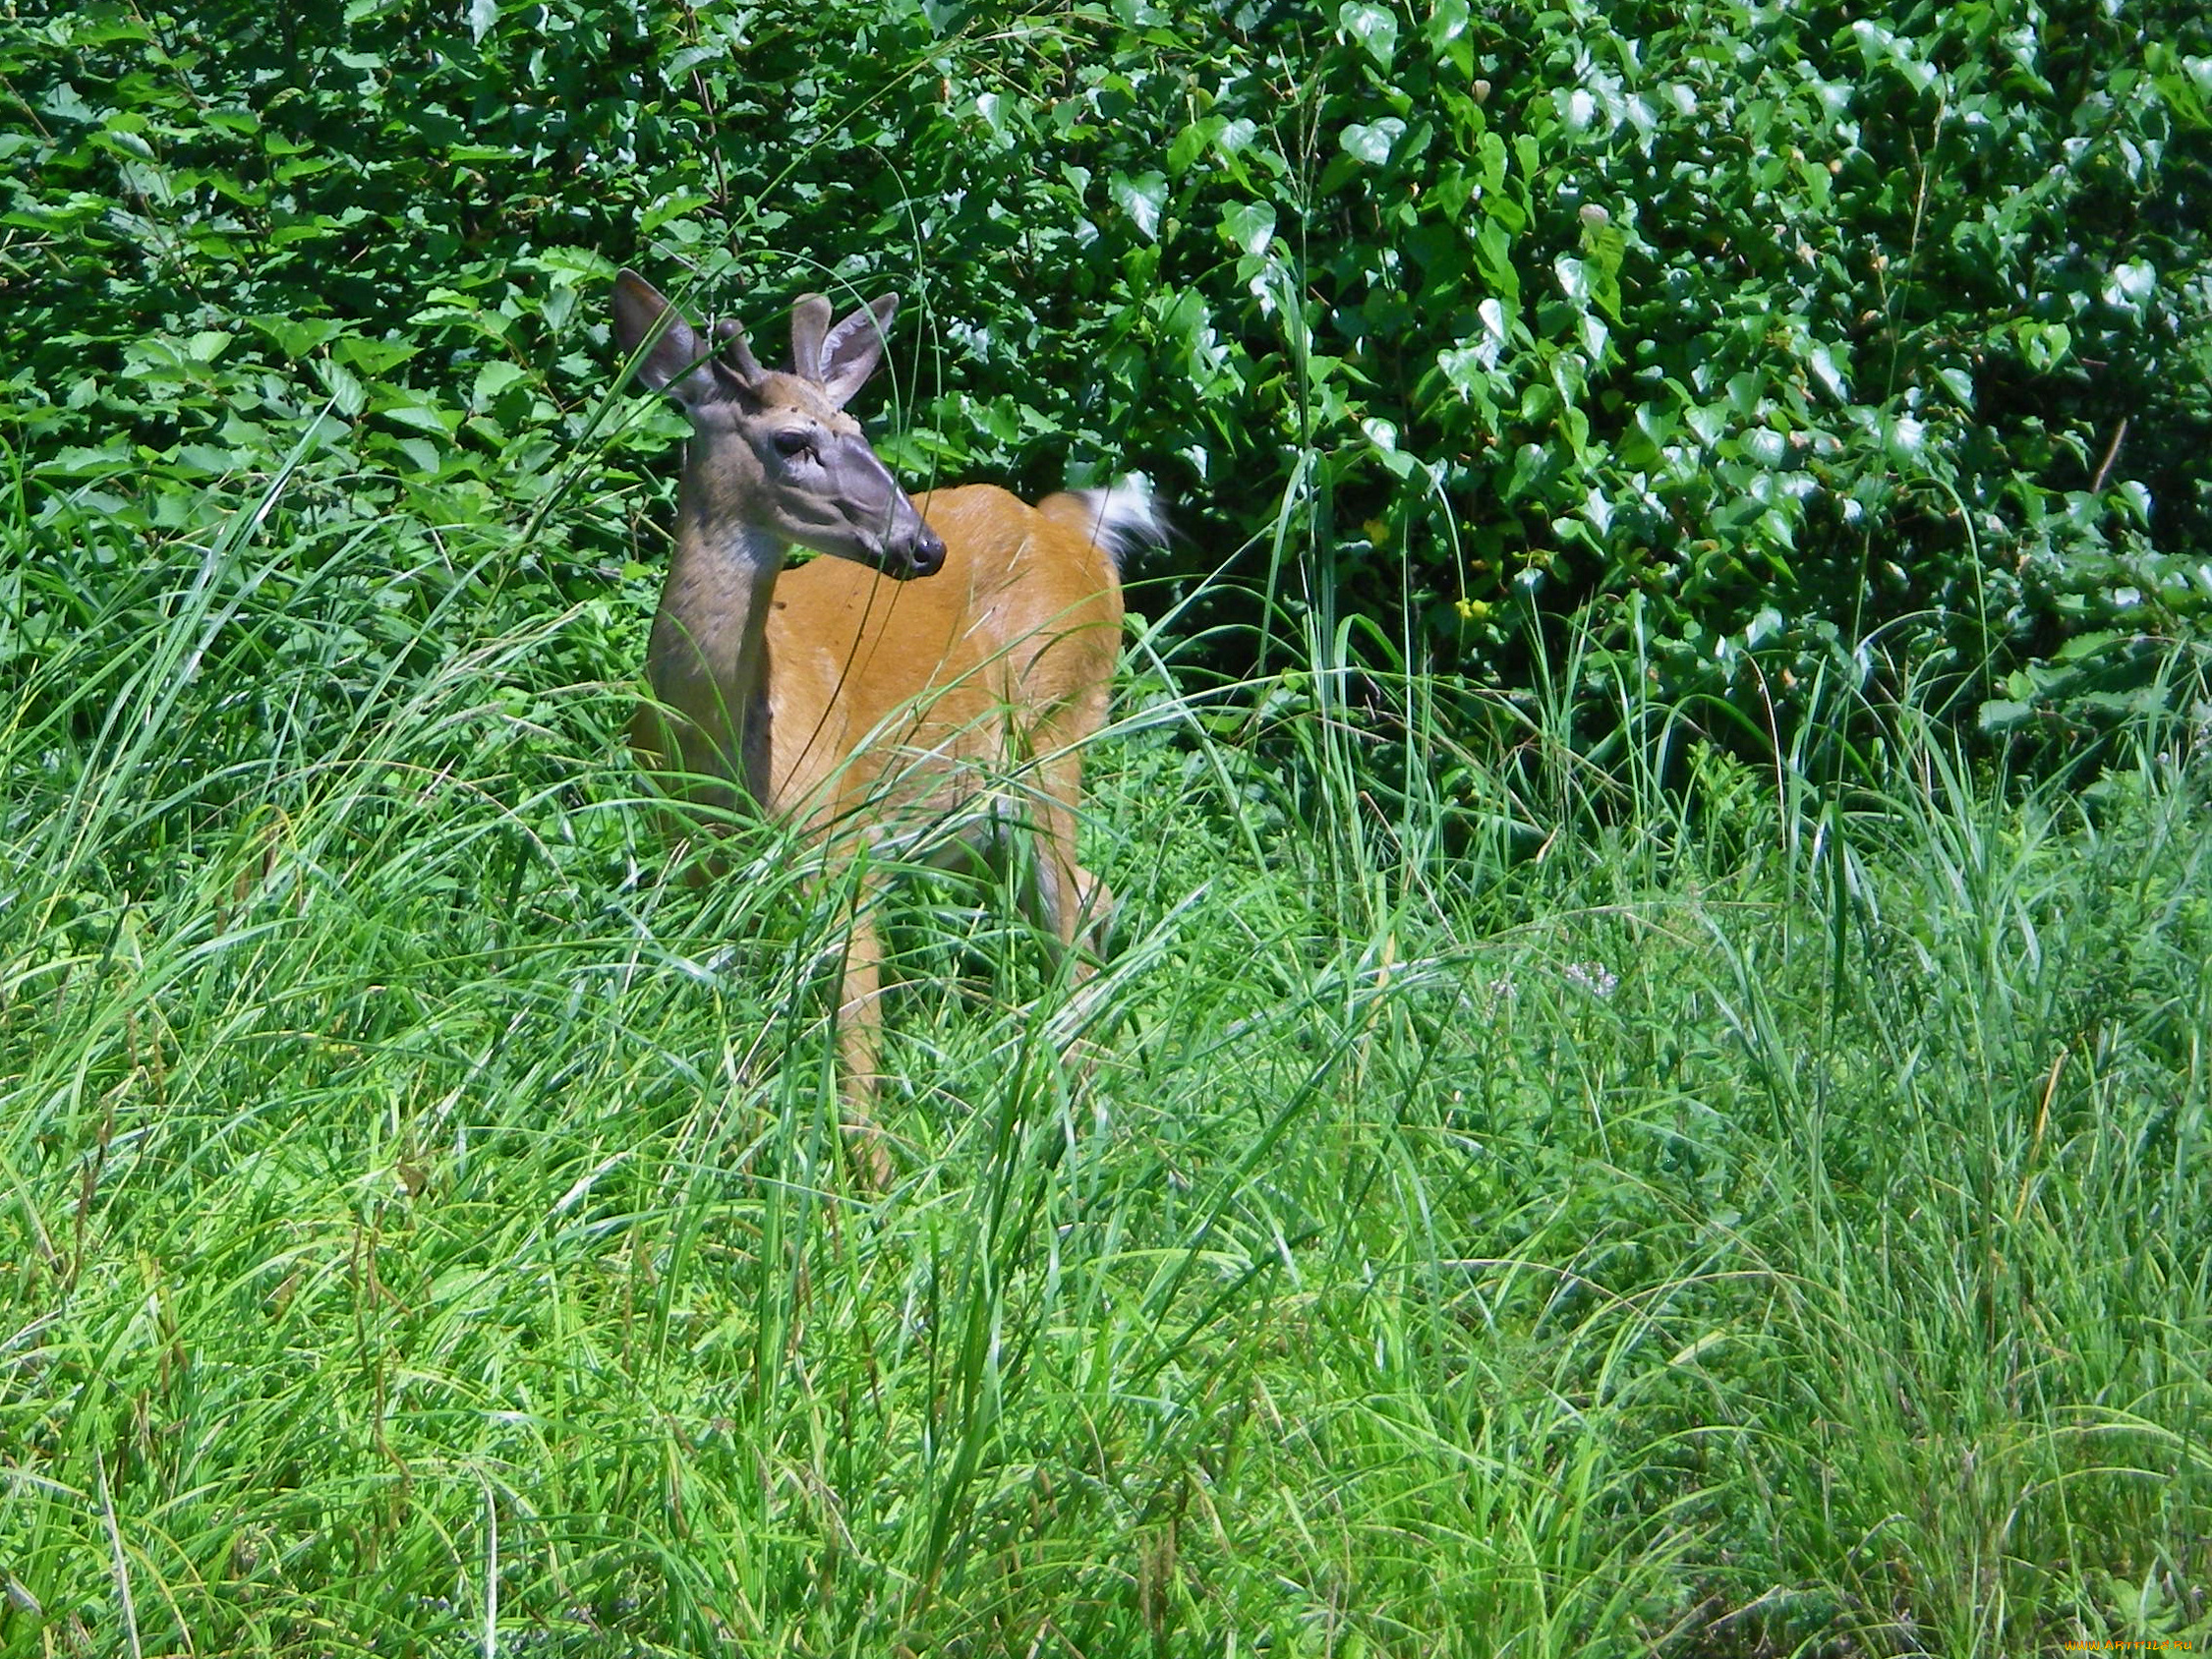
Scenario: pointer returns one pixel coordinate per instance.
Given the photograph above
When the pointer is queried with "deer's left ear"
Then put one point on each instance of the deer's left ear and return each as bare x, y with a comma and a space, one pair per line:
851, 350
649, 329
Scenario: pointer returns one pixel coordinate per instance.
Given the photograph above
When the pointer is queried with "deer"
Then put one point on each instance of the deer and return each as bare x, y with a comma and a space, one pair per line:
931, 681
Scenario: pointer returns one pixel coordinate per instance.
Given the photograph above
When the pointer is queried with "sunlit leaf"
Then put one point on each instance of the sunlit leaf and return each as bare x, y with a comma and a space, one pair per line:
1249, 226
1142, 197
1371, 141
1374, 28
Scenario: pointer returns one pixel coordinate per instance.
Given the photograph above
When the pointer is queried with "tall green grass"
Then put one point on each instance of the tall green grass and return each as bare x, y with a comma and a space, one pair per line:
1517, 1197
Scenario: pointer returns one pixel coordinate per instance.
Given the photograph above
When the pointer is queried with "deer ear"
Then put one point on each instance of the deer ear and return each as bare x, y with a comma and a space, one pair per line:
851, 350
810, 320
655, 336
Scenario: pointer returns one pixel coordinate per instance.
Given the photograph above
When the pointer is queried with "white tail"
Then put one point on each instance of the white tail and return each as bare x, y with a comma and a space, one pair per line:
846, 694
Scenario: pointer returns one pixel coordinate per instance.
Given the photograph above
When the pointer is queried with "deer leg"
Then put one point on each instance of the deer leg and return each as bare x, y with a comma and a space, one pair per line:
1071, 904
1095, 914
1068, 900
859, 1036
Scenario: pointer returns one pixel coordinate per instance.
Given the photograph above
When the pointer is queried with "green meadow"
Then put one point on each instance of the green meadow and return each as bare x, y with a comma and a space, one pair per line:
1546, 1206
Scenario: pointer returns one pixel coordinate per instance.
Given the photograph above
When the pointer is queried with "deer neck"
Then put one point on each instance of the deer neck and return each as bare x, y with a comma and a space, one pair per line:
708, 660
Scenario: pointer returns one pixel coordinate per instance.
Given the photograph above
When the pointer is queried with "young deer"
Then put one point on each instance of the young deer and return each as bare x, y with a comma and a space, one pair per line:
943, 668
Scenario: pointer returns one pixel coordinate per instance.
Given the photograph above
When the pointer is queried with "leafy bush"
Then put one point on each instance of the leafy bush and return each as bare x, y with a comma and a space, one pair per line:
1766, 330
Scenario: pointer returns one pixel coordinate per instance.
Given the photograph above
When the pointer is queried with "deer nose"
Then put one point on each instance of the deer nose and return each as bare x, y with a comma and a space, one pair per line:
926, 558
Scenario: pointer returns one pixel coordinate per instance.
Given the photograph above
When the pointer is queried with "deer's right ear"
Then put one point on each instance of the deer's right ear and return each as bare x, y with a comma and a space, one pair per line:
851, 350
654, 332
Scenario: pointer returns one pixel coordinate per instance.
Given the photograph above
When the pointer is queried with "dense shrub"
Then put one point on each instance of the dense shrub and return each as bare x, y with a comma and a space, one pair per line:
1762, 329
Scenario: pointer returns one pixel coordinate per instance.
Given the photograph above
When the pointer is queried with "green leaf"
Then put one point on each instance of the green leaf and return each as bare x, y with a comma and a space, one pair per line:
1574, 280
1190, 144
491, 380
1529, 463
674, 206
1603, 248
2083, 647
1384, 437
427, 456
372, 357
346, 391
1374, 28
296, 336
207, 460
1236, 136
1371, 141
2044, 345
1765, 446
1142, 198
1494, 259
1820, 359
1249, 226
423, 417
111, 457
1447, 21
2189, 91
2130, 286
1463, 369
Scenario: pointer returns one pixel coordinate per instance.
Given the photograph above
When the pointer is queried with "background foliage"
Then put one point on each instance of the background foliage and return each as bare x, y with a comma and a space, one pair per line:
1766, 330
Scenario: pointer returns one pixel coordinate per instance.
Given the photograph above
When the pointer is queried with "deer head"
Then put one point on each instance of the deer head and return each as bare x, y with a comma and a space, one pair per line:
774, 452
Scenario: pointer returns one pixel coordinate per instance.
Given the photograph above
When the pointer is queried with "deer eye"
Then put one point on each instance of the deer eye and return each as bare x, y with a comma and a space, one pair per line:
794, 442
